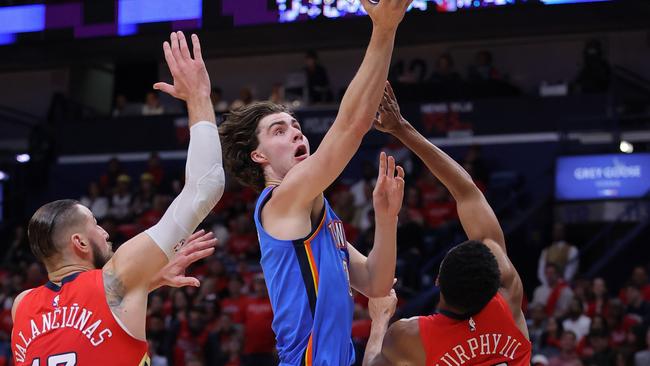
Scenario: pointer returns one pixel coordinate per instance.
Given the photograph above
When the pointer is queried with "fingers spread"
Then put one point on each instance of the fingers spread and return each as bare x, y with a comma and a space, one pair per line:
197, 48
185, 50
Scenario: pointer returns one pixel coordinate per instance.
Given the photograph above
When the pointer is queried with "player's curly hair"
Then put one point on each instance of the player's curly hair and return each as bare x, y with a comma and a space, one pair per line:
469, 277
239, 138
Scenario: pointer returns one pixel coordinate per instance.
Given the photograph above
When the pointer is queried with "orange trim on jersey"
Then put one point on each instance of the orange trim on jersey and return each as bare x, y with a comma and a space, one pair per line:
309, 353
312, 265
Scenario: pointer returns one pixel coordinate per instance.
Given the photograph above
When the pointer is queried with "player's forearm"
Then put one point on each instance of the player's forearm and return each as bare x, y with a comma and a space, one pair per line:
199, 108
382, 257
447, 170
364, 93
373, 347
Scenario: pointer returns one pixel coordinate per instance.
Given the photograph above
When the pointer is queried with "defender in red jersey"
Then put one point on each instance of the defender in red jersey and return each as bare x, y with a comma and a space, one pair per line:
479, 320
93, 309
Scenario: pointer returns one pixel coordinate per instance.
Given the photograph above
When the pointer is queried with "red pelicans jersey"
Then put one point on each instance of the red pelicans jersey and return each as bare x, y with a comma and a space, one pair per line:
489, 338
71, 325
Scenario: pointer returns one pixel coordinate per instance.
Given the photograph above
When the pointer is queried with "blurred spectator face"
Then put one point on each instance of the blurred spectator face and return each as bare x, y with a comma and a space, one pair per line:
234, 286
195, 322
155, 324
568, 342
551, 275
123, 182
600, 342
146, 182
155, 304
633, 294
152, 100
640, 276
575, 309
154, 160
310, 62
259, 287
180, 300
599, 288
444, 65
537, 314
551, 326
597, 324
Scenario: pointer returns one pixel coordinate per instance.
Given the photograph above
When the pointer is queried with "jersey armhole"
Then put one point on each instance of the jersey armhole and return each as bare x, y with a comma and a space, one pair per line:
17, 302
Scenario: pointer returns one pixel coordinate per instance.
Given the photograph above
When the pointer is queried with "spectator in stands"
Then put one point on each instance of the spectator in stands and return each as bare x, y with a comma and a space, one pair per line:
640, 278
619, 323
482, 70
144, 197
95, 202
259, 339
554, 294
601, 353
568, 355
318, 83
539, 360
576, 321
220, 105
445, 77
642, 358
595, 74
155, 168
17, 251
191, 338
152, 106
156, 359
536, 323
234, 304
220, 340
108, 180
122, 199
120, 107
245, 98
598, 298
636, 305
560, 253
277, 94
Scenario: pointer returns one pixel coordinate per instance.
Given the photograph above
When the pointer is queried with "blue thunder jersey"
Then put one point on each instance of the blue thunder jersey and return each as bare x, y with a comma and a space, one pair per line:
309, 287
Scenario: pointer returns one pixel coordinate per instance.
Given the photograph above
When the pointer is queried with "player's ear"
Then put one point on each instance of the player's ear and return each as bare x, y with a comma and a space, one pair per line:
258, 157
80, 243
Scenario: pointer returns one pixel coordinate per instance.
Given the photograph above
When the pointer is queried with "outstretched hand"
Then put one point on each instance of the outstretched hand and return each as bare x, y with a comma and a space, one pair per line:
389, 118
389, 190
386, 14
191, 78
198, 246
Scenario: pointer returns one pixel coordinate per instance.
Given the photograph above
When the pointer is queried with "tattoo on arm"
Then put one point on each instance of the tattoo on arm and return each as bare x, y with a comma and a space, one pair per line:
114, 289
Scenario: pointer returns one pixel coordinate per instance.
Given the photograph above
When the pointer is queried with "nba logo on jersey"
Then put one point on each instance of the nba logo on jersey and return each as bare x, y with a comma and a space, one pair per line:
338, 234
179, 245
472, 325
55, 302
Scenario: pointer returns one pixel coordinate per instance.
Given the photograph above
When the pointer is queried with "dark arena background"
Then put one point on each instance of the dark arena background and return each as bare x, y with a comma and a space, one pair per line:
545, 103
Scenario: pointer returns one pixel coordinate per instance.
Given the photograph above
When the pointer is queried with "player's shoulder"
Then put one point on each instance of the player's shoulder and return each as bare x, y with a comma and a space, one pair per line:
17, 301
404, 331
403, 342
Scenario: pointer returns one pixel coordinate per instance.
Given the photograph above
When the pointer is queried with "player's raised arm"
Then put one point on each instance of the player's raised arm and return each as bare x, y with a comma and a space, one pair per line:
129, 274
356, 112
477, 217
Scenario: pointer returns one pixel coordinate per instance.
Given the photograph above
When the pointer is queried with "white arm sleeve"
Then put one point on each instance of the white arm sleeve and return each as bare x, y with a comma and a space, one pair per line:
204, 184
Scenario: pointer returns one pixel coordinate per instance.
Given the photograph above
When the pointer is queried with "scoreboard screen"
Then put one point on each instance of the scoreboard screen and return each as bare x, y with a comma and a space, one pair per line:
54, 20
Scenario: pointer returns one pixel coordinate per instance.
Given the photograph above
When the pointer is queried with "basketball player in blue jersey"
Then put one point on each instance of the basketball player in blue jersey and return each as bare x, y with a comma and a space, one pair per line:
309, 266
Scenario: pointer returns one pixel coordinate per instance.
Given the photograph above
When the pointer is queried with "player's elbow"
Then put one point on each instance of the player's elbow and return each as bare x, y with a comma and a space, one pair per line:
209, 190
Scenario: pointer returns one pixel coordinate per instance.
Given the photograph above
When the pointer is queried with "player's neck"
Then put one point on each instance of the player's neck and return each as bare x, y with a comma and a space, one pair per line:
62, 271
442, 306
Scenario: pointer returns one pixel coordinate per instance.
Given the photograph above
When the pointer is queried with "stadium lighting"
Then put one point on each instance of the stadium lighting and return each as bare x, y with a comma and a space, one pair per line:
3, 176
23, 158
626, 147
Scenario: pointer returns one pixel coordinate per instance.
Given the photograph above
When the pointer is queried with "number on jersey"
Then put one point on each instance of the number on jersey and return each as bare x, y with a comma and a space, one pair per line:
65, 359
